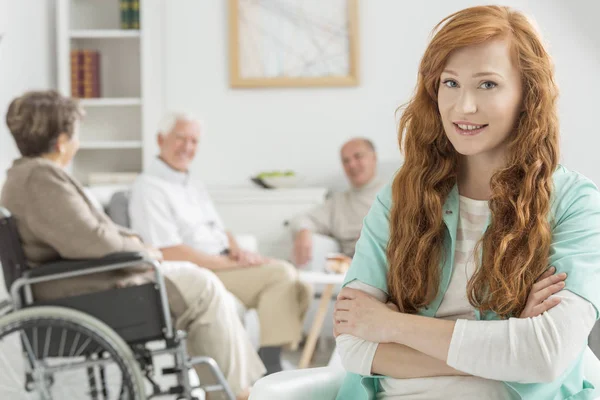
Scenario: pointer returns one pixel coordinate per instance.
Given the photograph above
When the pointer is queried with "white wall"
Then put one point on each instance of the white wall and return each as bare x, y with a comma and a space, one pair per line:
301, 129
27, 59
251, 130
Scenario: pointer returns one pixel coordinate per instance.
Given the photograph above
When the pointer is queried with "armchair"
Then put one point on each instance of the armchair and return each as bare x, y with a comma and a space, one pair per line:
324, 383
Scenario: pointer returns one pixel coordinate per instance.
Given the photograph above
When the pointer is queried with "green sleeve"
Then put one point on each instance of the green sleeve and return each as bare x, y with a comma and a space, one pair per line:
369, 264
575, 247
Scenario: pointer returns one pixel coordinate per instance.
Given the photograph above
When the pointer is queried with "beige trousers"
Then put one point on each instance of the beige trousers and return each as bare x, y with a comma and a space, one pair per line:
280, 299
201, 307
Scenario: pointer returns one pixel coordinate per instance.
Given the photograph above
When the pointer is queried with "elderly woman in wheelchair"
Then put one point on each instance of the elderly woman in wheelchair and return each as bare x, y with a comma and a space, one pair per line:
88, 295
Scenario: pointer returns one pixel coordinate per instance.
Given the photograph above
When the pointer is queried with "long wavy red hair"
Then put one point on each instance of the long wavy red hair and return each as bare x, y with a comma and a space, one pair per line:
515, 246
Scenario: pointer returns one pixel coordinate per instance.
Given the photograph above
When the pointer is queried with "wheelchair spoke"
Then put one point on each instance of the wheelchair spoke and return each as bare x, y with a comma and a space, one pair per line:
61, 347
91, 372
47, 343
35, 342
74, 346
28, 349
103, 381
83, 346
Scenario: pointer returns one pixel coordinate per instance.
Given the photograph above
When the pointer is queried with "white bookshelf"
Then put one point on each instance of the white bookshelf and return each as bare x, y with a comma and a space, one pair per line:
104, 33
119, 144
112, 131
111, 102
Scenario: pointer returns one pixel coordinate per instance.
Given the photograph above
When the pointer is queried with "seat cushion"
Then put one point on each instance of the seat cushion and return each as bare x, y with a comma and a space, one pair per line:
118, 208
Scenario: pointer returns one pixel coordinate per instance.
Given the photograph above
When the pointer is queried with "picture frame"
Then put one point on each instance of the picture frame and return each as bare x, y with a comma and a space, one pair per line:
286, 43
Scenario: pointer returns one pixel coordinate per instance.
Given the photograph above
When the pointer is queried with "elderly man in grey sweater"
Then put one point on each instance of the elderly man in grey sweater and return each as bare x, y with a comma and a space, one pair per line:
340, 216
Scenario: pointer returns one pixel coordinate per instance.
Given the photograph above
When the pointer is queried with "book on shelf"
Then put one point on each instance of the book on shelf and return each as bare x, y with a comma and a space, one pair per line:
91, 73
130, 14
85, 74
75, 78
125, 24
135, 14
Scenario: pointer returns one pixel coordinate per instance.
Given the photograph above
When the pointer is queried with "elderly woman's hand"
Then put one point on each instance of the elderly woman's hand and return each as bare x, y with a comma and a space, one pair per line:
154, 253
361, 315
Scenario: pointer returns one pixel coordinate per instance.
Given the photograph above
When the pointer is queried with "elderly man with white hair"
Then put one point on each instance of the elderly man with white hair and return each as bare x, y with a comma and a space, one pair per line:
174, 213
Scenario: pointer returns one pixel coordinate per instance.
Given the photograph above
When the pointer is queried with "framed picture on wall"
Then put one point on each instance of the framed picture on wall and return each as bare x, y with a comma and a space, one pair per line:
291, 43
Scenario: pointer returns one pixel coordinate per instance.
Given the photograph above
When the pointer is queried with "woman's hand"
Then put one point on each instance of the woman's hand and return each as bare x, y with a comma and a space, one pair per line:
361, 315
539, 300
389, 305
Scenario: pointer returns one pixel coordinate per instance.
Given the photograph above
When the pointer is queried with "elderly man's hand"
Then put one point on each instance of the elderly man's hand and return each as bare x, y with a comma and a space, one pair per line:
303, 247
250, 259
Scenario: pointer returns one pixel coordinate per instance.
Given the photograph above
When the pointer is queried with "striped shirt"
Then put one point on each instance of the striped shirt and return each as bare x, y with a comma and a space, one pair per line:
472, 221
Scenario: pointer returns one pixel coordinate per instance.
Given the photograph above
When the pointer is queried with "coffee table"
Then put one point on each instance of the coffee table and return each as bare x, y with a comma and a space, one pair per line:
330, 280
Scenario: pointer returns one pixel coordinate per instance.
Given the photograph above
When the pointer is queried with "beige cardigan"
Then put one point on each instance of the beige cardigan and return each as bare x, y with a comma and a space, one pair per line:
56, 221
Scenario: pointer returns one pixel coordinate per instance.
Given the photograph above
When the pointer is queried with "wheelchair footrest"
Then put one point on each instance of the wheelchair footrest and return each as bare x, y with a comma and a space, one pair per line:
212, 388
171, 371
207, 388
176, 390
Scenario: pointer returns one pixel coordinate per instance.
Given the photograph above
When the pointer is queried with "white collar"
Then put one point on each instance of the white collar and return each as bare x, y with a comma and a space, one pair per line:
160, 169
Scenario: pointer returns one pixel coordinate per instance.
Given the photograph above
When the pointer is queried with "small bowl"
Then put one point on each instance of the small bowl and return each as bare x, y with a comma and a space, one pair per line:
260, 183
281, 182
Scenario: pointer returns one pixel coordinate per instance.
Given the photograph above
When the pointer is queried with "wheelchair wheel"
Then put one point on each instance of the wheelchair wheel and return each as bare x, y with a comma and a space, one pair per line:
54, 353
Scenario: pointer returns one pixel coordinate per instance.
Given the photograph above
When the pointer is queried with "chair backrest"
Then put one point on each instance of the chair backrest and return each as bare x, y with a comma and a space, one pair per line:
118, 208
11, 252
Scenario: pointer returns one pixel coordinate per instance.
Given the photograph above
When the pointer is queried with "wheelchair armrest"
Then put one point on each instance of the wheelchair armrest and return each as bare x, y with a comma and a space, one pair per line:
60, 267
112, 262
5, 307
73, 268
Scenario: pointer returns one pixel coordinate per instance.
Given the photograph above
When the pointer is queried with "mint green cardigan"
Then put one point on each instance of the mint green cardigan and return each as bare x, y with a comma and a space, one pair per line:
575, 249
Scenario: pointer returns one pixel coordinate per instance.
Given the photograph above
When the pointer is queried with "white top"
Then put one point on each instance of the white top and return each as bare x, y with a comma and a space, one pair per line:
473, 217
521, 350
166, 209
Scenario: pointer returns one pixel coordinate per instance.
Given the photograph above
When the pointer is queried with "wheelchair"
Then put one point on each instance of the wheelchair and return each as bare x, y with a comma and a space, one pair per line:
93, 346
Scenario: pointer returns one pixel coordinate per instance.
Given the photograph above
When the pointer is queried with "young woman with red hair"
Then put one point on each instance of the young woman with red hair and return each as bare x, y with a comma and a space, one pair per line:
477, 213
